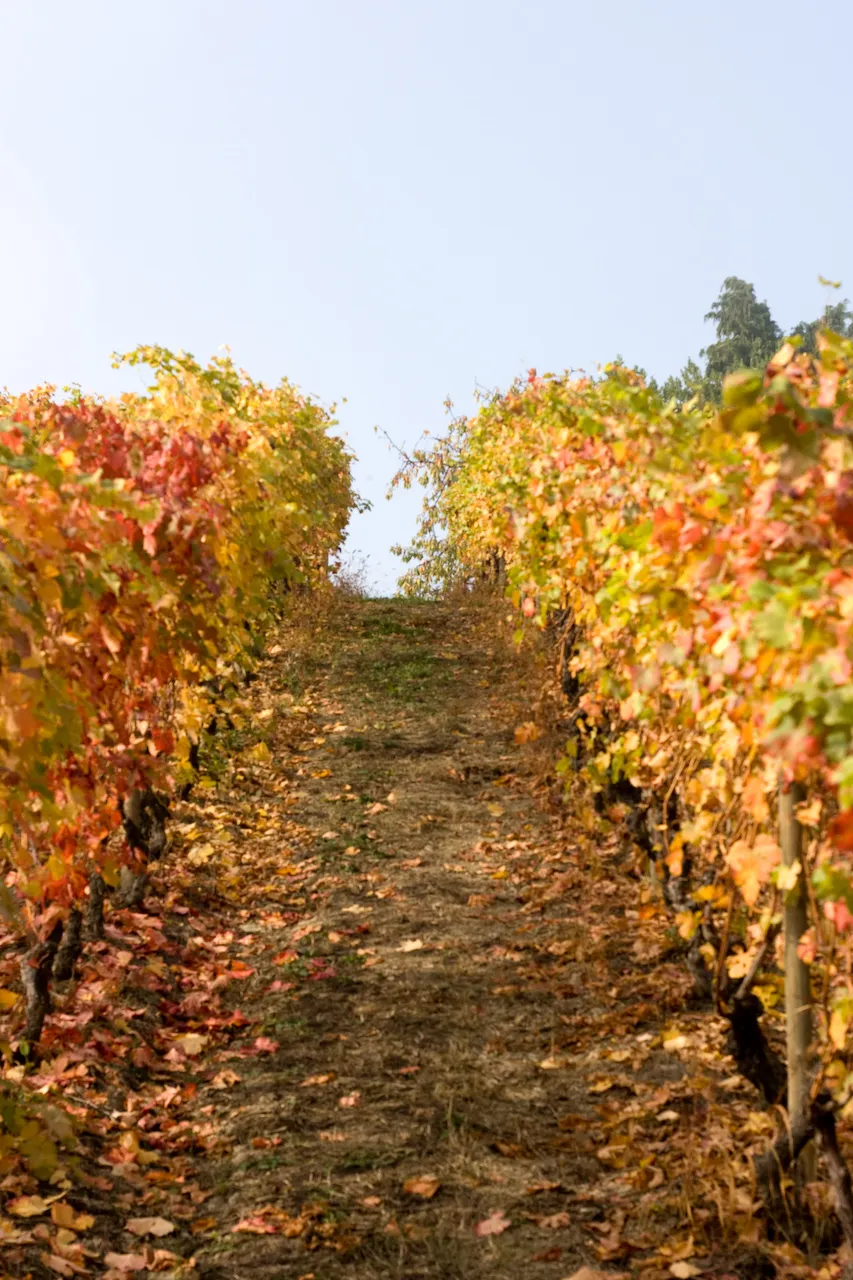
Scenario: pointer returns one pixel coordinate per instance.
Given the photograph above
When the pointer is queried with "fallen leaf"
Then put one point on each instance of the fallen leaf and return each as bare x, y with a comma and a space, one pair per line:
494, 1225
199, 854
149, 1226
201, 1225
64, 1216
591, 1273
312, 1080
10, 1234
126, 1261
512, 1150
256, 1225
263, 1044
60, 1265
372, 1202
225, 1079
191, 1044
30, 1206
350, 1100
412, 944
555, 1221
681, 1251
425, 1187
684, 1270
271, 1221
305, 930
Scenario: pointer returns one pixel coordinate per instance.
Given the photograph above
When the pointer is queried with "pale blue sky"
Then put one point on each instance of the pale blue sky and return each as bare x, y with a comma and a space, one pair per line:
394, 201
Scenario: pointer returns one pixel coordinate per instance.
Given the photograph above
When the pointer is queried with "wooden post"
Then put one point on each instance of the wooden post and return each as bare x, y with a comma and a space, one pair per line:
798, 1012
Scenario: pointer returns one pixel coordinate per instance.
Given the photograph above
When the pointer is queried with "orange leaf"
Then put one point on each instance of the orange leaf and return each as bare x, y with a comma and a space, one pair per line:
425, 1187
751, 865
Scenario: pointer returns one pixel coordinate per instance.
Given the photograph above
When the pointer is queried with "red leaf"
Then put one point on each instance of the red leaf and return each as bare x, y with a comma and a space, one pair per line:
841, 831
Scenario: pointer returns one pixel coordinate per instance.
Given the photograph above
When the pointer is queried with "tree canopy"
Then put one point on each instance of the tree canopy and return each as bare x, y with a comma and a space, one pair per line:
747, 337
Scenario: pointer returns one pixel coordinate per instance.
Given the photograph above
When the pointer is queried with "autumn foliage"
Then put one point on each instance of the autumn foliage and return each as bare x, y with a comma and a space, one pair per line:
704, 556
138, 538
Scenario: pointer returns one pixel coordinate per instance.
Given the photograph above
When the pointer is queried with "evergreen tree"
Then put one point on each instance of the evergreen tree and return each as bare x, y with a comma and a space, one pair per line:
747, 334
838, 317
747, 338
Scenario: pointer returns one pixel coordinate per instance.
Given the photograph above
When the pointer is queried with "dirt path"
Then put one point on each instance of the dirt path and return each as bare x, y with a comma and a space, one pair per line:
424, 1010
384, 1016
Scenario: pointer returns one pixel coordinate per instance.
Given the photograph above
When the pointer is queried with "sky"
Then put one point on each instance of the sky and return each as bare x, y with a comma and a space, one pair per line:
393, 202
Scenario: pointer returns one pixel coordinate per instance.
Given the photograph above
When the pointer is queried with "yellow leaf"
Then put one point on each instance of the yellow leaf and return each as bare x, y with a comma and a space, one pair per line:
738, 964
191, 1044
199, 854
687, 922
809, 814
787, 877
64, 1216
30, 1206
783, 356
838, 1029
675, 857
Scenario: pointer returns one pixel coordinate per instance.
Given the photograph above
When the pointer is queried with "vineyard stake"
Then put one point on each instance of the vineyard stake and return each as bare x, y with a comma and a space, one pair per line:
798, 1012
